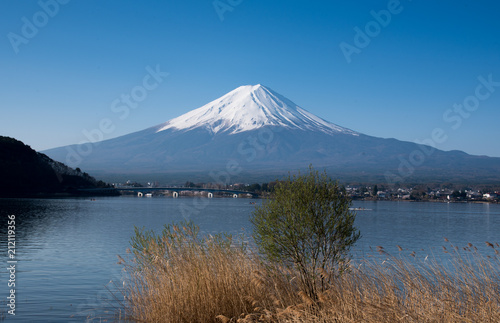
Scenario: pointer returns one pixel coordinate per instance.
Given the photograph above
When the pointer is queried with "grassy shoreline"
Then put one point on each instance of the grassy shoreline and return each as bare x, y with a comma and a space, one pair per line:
178, 277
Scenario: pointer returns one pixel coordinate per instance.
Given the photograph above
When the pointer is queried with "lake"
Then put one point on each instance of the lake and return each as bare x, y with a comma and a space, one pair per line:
66, 248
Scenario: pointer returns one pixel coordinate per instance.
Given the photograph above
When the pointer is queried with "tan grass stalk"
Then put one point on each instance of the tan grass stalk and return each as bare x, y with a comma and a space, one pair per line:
211, 280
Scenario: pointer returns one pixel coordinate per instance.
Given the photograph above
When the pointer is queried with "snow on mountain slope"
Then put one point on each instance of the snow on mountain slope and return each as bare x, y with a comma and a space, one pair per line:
182, 147
251, 107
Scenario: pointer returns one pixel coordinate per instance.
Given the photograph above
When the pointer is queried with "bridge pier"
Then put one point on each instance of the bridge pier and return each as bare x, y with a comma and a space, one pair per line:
175, 191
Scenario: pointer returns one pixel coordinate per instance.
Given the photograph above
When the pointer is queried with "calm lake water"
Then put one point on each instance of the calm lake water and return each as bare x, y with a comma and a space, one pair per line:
66, 248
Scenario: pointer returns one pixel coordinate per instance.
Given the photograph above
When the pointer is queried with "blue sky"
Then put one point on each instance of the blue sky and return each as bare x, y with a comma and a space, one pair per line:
401, 78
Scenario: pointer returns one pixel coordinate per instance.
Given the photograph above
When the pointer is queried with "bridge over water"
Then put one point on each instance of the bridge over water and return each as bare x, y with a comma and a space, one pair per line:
177, 190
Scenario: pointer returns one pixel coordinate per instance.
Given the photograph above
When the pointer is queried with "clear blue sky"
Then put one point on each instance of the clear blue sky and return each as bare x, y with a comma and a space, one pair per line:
402, 84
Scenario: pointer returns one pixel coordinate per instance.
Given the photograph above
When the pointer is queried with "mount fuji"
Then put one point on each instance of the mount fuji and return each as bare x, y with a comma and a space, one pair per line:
249, 108
253, 132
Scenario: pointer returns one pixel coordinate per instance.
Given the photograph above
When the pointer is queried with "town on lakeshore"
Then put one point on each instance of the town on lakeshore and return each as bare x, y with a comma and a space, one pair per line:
420, 192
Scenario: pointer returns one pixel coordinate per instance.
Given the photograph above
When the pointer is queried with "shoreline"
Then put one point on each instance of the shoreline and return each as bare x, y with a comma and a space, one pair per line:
116, 193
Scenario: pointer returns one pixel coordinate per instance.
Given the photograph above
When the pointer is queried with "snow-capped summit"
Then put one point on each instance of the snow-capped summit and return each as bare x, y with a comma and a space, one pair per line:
250, 107
223, 142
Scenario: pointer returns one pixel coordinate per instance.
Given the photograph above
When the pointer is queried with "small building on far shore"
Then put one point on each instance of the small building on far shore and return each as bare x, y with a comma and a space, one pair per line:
490, 196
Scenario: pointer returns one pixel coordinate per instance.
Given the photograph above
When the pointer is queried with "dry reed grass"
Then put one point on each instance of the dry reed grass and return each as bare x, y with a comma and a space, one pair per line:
212, 280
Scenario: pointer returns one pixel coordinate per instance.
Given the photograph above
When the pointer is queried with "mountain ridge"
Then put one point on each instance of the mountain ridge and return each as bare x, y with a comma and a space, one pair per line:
256, 130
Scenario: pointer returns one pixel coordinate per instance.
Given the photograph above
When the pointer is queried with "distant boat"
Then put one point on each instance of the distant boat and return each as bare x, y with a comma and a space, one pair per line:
149, 195
359, 209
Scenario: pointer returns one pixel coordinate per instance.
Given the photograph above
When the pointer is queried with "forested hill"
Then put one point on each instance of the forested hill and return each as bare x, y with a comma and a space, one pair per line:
27, 173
